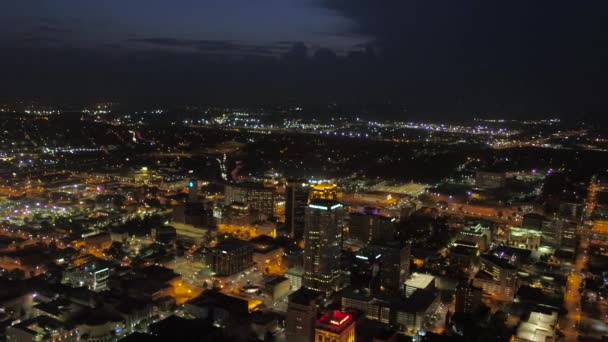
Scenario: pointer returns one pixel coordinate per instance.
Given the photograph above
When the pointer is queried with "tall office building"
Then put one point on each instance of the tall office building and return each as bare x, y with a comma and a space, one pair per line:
192, 191
394, 264
382, 267
370, 226
497, 278
230, 257
193, 212
255, 195
296, 200
323, 269
468, 298
302, 315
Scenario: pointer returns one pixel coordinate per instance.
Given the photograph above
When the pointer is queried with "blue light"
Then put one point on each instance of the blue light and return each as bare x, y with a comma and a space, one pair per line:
191, 184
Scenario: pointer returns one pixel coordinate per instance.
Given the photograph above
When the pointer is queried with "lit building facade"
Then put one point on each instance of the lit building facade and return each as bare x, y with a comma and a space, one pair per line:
255, 196
323, 191
335, 326
497, 278
230, 257
92, 276
323, 269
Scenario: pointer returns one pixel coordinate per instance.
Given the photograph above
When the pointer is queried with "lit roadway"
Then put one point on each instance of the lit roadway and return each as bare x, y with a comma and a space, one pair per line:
572, 297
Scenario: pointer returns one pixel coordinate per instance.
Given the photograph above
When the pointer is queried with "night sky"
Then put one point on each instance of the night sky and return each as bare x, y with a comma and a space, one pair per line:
465, 57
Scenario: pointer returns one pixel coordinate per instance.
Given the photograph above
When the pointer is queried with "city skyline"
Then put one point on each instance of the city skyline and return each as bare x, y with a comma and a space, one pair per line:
303, 171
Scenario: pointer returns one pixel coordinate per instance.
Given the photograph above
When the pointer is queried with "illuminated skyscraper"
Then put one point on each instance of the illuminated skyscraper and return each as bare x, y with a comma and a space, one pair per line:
323, 245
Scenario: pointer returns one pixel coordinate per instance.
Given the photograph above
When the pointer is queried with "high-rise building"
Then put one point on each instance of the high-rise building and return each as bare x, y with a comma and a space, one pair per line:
193, 191
381, 267
296, 199
335, 326
478, 234
256, 196
497, 278
193, 212
323, 269
230, 257
394, 265
166, 236
468, 298
365, 270
302, 315
370, 226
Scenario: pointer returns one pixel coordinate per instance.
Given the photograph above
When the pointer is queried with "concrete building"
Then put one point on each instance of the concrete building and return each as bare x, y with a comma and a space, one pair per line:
295, 275
497, 278
419, 281
277, 287
230, 257
479, 234
93, 276
540, 327
407, 314
524, 238
301, 315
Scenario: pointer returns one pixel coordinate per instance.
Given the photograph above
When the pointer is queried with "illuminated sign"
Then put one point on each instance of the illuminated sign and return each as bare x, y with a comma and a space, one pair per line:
335, 318
317, 207
321, 207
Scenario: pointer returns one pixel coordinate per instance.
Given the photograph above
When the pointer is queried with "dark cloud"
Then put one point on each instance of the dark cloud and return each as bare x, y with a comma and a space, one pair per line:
52, 29
480, 55
38, 41
452, 57
228, 47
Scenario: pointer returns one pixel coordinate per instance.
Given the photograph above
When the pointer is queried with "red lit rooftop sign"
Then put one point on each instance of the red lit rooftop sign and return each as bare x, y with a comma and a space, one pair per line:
335, 318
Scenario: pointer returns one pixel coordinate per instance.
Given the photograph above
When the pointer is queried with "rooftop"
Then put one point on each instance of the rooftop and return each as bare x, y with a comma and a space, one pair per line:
304, 296
420, 280
500, 262
231, 245
336, 321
